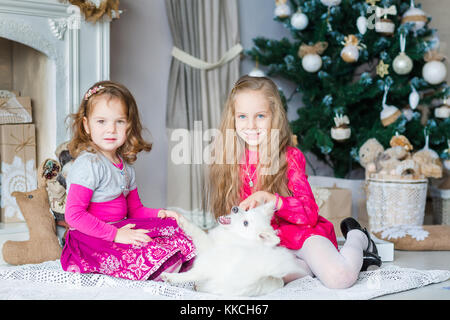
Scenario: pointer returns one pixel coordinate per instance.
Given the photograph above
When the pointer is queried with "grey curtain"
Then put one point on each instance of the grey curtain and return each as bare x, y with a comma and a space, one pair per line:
206, 30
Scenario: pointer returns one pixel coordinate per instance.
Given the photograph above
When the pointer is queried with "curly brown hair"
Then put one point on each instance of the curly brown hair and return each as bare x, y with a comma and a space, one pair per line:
81, 140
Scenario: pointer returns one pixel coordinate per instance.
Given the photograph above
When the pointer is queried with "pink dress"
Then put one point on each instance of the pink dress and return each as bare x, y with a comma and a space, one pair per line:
298, 218
90, 246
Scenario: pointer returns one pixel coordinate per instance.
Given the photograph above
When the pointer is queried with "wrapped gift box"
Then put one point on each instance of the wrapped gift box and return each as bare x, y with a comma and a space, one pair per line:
335, 204
15, 110
357, 187
18, 167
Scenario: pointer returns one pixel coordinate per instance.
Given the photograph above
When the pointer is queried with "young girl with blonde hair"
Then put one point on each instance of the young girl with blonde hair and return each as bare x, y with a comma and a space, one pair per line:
111, 232
269, 168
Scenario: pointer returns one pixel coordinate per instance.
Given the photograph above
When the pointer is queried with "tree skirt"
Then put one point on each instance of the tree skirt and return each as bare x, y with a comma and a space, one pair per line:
48, 281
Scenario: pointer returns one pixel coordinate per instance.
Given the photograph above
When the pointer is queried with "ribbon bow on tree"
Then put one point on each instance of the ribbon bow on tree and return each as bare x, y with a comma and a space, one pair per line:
341, 120
317, 48
433, 55
380, 12
353, 40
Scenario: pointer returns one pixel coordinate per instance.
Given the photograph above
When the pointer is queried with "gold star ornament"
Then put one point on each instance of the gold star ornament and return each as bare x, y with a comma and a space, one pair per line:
372, 2
382, 69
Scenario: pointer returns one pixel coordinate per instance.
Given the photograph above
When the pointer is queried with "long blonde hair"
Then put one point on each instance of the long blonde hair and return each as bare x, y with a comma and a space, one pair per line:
80, 138
224, 183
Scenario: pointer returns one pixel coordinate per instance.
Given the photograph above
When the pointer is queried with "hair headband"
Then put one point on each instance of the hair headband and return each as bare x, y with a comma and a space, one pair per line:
93, 91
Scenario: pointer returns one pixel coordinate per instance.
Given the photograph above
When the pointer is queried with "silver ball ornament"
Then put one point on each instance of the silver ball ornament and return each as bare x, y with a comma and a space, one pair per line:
312, 62
402, 64
299, 20
434, 72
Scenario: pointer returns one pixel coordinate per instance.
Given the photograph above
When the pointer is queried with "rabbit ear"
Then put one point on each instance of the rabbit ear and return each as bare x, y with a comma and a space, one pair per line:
269, 238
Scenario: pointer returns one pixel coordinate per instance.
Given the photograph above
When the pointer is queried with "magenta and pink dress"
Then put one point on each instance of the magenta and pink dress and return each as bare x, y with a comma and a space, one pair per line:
298, 218
102, 197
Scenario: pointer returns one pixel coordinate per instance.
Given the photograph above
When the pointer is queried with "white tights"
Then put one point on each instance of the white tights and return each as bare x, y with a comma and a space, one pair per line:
335, 269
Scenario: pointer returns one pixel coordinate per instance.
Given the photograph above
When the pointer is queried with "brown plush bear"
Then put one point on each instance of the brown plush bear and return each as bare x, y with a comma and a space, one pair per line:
383, 163
43, 244
429, 162
368, 153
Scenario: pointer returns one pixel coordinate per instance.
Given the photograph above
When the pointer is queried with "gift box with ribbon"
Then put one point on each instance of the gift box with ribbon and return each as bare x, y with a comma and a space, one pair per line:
335, 204
15, 109
18, 167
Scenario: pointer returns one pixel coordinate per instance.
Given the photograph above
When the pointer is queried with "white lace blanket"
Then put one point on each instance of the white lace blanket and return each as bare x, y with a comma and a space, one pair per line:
47, 281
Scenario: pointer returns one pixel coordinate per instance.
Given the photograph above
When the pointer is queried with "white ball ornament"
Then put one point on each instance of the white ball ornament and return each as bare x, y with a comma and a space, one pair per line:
310, 55
312, 62
350, 52
434, 72
416, 16
299, 20
330, 3
402, 64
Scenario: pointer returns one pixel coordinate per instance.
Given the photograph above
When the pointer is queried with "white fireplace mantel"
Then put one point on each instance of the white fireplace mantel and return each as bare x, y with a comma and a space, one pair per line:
79, 50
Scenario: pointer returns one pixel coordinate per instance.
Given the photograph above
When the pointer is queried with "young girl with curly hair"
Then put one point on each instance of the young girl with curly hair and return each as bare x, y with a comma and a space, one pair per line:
111, 232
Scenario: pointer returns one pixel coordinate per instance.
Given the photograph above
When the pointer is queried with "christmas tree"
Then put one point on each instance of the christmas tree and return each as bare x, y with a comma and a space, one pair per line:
365, 69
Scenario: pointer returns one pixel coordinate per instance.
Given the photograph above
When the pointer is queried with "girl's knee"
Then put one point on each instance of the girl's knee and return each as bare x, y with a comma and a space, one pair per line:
339, 278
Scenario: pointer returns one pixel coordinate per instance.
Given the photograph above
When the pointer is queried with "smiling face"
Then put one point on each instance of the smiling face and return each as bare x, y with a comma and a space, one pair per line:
253, 117
107, 125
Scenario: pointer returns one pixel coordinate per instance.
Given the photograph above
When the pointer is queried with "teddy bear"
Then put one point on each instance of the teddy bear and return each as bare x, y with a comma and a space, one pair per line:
429, 162
368, 153
66, 161
48, 170
376, 160
391, 159
52, 174
394, 162
402, 141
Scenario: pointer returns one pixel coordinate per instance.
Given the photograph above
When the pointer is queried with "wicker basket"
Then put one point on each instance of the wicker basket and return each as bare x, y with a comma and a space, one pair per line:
395, 202
441, 205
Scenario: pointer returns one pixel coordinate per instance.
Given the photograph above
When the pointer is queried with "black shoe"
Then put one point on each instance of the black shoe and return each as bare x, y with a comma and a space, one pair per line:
370, 257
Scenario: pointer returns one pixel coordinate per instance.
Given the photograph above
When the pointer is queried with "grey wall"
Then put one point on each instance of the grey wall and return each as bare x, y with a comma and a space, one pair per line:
140, 59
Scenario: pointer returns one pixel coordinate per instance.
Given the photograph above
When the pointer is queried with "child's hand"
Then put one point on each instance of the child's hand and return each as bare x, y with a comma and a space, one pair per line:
257, 199
168, 214
128, 235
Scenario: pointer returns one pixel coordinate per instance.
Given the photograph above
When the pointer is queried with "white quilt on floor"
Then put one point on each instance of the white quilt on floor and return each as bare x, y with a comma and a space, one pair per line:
48, 281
